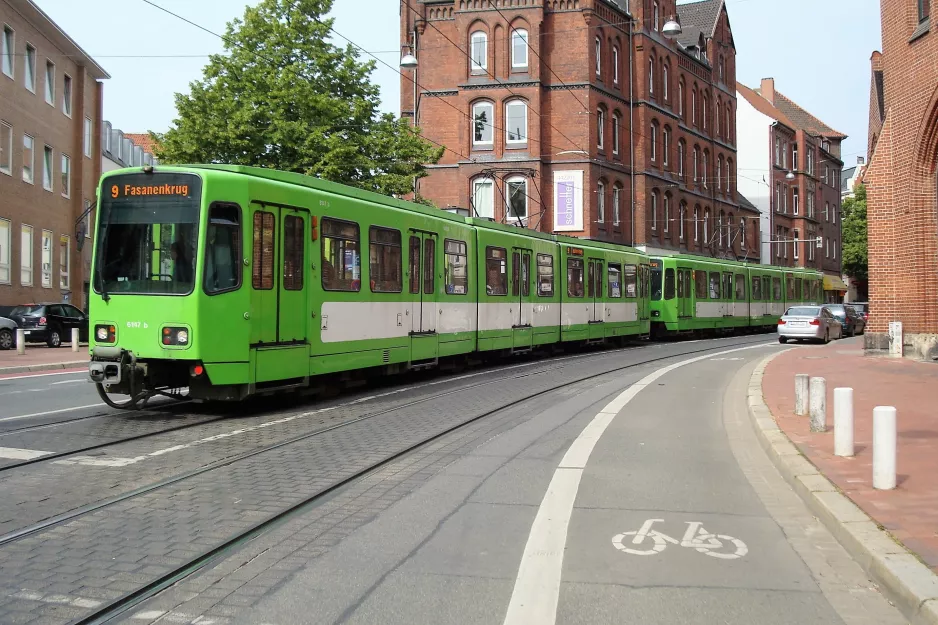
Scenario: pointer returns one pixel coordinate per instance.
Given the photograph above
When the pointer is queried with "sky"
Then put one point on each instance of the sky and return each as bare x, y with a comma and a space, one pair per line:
817, 50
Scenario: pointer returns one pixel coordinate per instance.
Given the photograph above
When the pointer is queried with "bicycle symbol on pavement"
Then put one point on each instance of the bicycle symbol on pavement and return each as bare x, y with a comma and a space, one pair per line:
696, 537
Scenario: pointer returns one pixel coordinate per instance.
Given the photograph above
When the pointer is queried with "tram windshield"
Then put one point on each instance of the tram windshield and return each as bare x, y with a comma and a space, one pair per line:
148, 227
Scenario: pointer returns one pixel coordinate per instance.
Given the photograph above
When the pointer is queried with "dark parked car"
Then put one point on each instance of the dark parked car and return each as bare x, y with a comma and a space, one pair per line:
50, 323
852, 322
5, 311
863, 309
7, 333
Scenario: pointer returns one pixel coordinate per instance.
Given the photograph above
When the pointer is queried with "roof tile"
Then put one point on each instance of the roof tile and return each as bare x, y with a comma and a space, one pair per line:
144, 140
702, 15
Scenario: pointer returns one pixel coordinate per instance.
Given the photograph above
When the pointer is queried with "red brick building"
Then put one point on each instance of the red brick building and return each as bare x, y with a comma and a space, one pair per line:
792, 172
902, 210
582, 117
50, 158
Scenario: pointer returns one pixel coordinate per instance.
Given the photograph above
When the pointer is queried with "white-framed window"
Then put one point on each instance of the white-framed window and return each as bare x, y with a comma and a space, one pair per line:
834, 214
483, 123
655, 15
785, 155
680, 159
778, 197
665, 145
26, 255
729, 175
778, 151
834, 249
654, 211
6, 242
664, 81
706, 161
600, 129
704, 108
794, 157
6, 148
693, 106
8, 46
63, 261
680, 99
516, 198
519, 48
86, 140
28, 158
50, 83
719, 174
615, 205
696, 224
667, 213
66, 176
46, 268
654, 142
516, 122
599, 57
785, 200
67, 95
600, 203
728, 127
812, 243
716, 121
483, 197
720, 229
706, 226
615, 133
29, 67
479, 51
827, 247
47, 168
682, 216
615, 65
827, 211
795, 204
696, 158
651, 76
810, 160
742, 232
795, 244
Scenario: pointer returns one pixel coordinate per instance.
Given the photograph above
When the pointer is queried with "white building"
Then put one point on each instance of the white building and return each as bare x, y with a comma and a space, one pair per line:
119, 150
754, 164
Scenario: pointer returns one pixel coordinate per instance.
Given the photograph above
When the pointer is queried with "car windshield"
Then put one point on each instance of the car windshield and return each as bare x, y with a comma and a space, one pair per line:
838, 310
148, 228
803, 311
27, 310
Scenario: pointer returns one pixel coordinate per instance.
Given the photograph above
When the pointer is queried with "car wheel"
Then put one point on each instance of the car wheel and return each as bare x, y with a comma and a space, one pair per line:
55, 339
782, 340
6, 339
827, 336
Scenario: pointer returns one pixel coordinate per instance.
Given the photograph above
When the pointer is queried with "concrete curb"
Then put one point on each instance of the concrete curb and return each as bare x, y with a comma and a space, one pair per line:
905, 581
52, 366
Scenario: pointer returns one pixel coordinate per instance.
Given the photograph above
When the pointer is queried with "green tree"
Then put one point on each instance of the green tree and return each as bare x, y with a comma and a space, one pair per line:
282, 96
853, 232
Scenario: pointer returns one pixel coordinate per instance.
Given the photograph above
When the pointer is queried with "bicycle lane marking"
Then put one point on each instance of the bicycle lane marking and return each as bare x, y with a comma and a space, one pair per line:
537, 585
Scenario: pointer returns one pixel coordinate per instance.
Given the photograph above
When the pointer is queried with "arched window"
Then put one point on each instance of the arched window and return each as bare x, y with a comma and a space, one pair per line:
654, 210
651, 76
704, 107
479, 51
516, 198
728, 125
682, 217
599, 57
720, 228
483, 123
729, 176
519, 48
729, 230
680, 158
600, 129
742, 233
483, 197
696, 159
706, 162
693, 106
616, 120
696, 223
654, 140
716, 118
680, 98
706, 227
664, 81
516, 122
616, 192
655, 16
615, 65
600, 203
665, 145
720, 173
667, 213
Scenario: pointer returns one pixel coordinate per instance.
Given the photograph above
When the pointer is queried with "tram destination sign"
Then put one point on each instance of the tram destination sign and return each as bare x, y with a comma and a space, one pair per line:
160, 190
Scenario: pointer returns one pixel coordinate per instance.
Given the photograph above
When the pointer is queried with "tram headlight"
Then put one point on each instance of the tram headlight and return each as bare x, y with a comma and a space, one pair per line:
175, 336
104, 333
182, 337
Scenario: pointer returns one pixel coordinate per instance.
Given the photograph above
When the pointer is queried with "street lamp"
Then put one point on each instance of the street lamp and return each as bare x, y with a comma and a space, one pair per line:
790, 175
408, 61
672, 28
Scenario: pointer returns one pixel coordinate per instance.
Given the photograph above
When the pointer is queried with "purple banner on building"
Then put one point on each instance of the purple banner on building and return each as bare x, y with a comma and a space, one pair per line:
568, 201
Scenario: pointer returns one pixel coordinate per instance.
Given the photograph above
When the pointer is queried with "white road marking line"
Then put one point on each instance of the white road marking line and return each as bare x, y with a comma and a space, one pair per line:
42, 375
48, 412
148, 616
537, 586
12, 453
80, 381
77, 602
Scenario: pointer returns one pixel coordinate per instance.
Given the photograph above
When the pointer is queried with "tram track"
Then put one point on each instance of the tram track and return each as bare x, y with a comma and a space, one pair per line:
119, 606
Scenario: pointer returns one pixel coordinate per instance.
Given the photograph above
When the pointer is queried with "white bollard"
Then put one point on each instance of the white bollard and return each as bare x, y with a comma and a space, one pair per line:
818, 390
74, 339
20, 341
884, 447
801, 394
843, 422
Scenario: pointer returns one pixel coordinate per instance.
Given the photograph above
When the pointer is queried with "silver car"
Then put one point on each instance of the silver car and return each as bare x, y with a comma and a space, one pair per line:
815, 323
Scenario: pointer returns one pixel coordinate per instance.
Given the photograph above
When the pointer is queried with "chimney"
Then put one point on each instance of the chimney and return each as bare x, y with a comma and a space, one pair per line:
767, 89
860, 160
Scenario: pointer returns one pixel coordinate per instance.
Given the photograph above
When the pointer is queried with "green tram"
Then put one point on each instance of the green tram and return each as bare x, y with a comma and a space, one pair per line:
228, 281
692, 294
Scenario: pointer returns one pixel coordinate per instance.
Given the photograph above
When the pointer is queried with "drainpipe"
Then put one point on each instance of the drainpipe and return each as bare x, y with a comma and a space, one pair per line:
631, 126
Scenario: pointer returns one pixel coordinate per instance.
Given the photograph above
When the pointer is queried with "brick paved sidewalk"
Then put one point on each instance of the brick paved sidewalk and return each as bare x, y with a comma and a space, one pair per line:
910, 512
39, 357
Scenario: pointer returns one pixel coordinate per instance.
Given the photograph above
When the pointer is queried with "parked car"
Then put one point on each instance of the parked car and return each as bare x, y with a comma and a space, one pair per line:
863, 310
50, 323
7, 333
5, 311
852, 323
813, 323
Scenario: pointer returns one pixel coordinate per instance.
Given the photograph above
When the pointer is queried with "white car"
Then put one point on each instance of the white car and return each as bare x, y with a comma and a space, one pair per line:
814, 323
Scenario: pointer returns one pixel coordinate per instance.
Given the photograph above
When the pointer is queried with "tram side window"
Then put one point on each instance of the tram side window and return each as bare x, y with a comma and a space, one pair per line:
615, 280
384, 260
766, 288
429, 266
756, 289
656, 283
777, 289
630, 279
700, 284
790, 288
680, 283
714, 285
341, 257
798, 289
414, 265
496, 271
669, 283
575, 277
223, 249
293, 253
262, 273
455, 267
740, 287
545, 275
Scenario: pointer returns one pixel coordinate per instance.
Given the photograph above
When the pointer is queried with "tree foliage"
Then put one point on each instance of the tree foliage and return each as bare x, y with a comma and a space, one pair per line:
853, 232
283, 96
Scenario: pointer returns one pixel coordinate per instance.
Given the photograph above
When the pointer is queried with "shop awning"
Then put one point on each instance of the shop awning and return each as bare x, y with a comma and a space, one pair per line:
834, 283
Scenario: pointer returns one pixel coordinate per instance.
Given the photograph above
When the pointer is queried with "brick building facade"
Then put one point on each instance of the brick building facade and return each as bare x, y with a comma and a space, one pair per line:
546, 107
902, 211
792, 171
50, 120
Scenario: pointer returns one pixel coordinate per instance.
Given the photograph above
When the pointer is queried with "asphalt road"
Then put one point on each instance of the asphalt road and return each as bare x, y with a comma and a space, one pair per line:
36, 399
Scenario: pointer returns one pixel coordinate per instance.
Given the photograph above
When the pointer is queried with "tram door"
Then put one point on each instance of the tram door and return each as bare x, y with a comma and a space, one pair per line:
522, 299
424, 312
644, 289
594, 295
726, 305
685, 304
